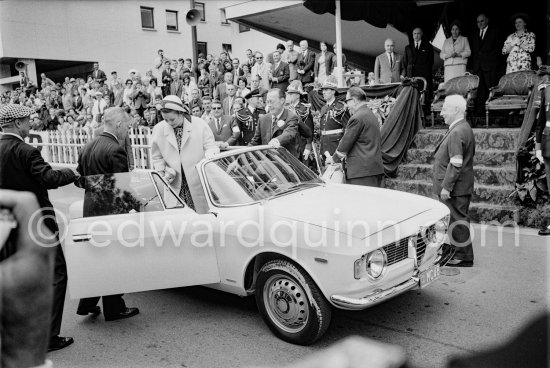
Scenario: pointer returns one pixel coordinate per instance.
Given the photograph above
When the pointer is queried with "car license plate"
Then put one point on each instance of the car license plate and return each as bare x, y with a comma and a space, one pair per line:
431, 274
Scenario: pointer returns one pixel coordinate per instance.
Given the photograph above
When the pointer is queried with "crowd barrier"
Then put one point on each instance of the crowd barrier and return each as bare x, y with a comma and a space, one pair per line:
62, 148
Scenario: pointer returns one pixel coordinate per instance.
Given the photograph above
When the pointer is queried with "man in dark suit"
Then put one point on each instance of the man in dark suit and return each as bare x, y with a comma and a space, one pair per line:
279, 127
98, 75
453, 179
280, 74
418, 61
542, 147
359, 148
388, 67
306, 126
105, 155
23, 168
486, 47
224, 127
306, 63
140, 98
237, 71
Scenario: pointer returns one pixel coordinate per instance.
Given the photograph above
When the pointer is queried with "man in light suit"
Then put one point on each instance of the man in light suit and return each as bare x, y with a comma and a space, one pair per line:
279, 127
388, 67
227, 103
280, 74
359, 147
290, 56
224, 127
261, 68
220, 92
453, 180
306, 63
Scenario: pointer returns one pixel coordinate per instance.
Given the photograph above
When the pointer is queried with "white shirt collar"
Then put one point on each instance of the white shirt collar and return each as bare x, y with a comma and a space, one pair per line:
111, 135
13, 134
281, 113
251, 108
454, 123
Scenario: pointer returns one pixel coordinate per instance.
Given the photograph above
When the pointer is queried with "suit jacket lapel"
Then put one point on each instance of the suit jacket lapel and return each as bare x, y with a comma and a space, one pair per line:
276, 126
171, 136
186, 132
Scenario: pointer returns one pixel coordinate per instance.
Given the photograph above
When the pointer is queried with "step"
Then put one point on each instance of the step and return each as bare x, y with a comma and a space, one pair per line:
482, 193
482, 157
486, 139
489, 213
485, 175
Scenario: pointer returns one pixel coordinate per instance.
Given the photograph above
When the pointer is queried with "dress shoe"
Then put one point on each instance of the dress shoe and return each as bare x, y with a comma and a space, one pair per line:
127, 313
85, 312
545, 232
459, 263
59, 342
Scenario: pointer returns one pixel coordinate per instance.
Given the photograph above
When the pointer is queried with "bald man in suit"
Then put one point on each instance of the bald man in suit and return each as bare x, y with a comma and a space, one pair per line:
388, 67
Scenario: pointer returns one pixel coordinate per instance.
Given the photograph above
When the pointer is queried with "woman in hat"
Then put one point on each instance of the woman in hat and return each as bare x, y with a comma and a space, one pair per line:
519, 45
178, 143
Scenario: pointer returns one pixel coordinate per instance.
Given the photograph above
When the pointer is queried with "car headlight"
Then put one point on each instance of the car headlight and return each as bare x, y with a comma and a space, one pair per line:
376, 263
438, 232
372, 265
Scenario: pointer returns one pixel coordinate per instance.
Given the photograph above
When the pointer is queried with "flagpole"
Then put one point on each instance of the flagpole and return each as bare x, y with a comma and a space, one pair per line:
339, 72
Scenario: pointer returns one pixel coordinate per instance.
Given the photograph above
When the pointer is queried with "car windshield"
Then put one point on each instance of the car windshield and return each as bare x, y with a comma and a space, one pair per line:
256, 175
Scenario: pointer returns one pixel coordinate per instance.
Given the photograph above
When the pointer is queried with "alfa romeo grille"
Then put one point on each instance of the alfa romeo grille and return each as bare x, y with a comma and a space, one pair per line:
398, 251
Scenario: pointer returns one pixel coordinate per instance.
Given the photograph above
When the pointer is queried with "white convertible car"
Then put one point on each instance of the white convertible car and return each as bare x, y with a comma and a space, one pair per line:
274, 229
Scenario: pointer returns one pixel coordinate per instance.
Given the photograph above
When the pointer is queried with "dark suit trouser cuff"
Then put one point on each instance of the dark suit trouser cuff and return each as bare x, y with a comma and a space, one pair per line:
459, 227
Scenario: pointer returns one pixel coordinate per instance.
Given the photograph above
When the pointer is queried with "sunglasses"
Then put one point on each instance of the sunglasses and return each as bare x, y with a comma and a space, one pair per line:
259, 57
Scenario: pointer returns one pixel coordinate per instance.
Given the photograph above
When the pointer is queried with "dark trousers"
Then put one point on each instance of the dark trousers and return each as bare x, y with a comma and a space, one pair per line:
487, 79
367, 181
59, 291
459, 227
112, 304
547, 169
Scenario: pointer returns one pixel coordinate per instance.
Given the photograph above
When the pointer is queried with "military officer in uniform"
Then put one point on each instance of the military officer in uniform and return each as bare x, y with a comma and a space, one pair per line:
249, 116
305, 124
453, 180
333, 118
542, 146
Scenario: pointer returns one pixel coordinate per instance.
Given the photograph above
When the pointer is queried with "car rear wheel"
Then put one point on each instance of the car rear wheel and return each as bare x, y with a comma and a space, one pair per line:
290, 303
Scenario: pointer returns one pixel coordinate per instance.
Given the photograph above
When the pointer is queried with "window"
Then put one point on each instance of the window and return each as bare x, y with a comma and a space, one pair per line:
168, 197
243, 28
171, 20
147, 19
200, 7
227, 48
223, 17
202, 48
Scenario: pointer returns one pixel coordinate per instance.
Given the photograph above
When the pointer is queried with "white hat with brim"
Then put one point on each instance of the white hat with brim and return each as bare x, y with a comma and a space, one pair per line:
173, 102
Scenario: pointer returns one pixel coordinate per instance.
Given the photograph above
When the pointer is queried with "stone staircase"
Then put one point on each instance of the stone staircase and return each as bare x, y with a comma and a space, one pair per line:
494, 170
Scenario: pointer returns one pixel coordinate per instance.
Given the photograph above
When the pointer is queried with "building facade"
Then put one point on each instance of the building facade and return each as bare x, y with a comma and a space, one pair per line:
64, 38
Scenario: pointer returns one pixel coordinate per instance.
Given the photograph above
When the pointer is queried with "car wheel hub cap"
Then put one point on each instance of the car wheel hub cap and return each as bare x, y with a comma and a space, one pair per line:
286, 303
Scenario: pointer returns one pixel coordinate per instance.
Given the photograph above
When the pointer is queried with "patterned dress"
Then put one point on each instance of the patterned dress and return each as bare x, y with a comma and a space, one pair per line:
185, 193
519, 48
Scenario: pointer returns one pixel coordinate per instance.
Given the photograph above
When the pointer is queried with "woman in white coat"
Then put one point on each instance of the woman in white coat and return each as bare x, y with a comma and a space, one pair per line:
179, 142
455, 53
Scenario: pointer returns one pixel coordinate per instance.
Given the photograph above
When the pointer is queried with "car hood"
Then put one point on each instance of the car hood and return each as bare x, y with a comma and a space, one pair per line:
333, 206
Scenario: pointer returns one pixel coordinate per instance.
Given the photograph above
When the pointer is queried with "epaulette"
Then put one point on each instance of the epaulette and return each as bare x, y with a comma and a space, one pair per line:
543, 86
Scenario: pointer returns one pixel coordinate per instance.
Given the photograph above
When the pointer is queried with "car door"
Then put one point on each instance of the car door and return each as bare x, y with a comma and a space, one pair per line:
136, 235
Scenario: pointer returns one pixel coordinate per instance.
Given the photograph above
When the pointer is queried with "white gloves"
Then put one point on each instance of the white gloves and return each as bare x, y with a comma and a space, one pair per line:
169, 175
538, 154
274, 143
306, 154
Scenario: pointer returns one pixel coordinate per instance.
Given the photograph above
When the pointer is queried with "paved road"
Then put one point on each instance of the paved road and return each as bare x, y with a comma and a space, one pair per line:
200, 327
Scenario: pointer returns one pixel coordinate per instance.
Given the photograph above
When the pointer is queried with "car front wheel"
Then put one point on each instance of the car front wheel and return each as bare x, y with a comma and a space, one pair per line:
290, 303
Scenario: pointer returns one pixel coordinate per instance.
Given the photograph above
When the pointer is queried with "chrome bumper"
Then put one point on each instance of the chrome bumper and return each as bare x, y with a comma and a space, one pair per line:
379, 295
375, 297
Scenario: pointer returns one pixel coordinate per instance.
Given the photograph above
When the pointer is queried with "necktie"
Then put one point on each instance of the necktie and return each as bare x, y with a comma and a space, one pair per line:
417, 45
482, 33
391, 60
273, 118
218, 124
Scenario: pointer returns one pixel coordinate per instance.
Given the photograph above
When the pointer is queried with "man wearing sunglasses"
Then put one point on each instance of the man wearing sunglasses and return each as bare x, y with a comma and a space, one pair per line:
263, 69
